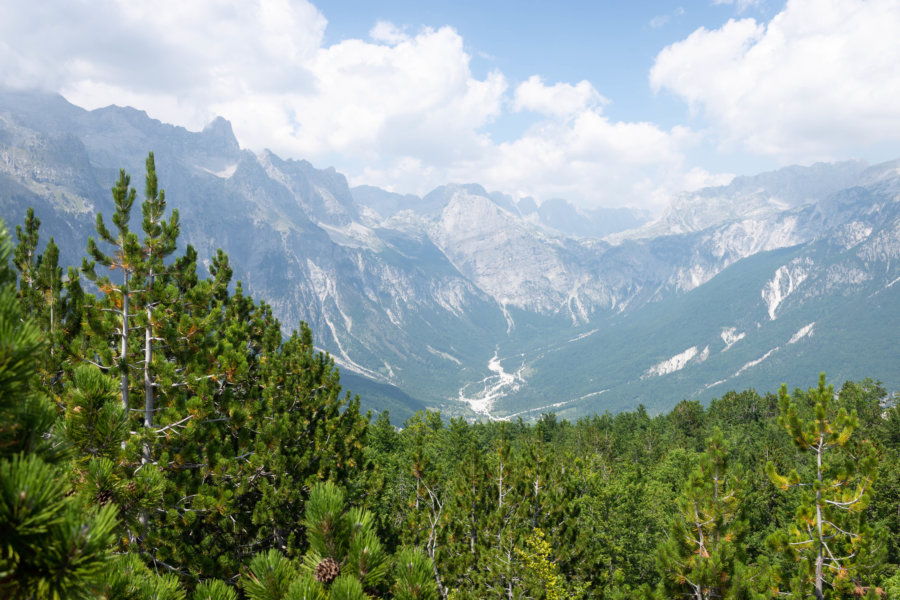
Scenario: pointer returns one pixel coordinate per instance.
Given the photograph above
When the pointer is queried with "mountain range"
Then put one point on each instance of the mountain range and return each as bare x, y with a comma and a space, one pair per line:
487, 306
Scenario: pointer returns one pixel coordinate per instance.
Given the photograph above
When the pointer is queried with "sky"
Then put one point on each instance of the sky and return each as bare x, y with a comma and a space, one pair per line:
604, 103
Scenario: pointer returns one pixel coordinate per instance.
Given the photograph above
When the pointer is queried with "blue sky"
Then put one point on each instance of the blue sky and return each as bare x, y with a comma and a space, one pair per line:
603, 103
612, 44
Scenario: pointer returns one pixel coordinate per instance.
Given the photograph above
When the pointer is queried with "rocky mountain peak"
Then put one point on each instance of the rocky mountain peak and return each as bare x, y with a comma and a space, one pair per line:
218, 136
324, 194
450, 295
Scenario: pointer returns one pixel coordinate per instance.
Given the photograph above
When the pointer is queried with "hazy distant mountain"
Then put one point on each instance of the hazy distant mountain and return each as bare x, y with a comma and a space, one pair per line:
556, 215
758, 197
564, 217
477, 303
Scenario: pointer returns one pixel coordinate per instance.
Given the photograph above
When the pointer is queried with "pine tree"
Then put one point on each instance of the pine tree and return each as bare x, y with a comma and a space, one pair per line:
27, 261
541, 573
426, 522
237, 422
413, 576
836, 550
96, 426
112, 320
128, 578
342, 540
466, 509
142, 298
52, 544
345, 561
40, 294
213, 589
548, 490
702, 555
313, 431
502, 529
159, 243
50, 285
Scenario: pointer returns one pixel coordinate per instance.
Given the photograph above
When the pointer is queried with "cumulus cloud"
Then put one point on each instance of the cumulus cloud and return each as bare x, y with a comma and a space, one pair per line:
560, 99
178, 58
401, 109
592, 159
388, 33
819, 80
698, 178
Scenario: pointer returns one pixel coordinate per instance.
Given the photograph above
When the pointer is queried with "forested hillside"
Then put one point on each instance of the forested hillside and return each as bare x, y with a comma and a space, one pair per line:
161, 439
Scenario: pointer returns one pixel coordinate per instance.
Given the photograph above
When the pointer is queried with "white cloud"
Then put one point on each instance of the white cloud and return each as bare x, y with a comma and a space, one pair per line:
168, 54
819, 81
591, 159
388, 33
401, 109
699, 177
416, 98
560, 99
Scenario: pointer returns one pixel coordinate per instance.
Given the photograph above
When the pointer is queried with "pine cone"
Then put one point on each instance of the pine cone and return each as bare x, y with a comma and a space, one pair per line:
103, 496
131, 487
327, 570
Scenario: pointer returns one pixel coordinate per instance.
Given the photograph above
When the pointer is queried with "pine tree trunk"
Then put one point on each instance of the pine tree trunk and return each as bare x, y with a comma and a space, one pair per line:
435, 509
148, 406
52, 342
535, 510
500, 486
473, 516
820, 558
440, 584
149, 399
123, 355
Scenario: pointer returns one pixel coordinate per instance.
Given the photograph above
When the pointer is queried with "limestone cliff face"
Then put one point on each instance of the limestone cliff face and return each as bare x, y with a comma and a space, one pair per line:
433, 294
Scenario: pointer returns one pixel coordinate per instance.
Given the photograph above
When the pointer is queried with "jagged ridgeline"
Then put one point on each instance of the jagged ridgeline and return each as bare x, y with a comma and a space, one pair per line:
160, 438
486, 306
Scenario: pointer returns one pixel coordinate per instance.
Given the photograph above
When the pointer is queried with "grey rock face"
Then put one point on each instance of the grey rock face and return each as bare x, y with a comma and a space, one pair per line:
470, 300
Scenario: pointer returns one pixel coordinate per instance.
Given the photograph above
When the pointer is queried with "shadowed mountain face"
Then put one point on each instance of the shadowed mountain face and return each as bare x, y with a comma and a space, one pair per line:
476, 304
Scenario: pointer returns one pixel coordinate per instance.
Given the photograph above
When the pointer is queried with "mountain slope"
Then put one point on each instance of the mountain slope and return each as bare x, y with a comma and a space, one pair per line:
478, 304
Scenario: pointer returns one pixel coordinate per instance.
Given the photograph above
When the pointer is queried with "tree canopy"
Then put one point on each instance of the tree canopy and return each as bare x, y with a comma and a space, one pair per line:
162, 435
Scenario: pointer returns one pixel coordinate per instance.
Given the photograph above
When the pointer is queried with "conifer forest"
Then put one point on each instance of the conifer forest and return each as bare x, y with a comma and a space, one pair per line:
161, 438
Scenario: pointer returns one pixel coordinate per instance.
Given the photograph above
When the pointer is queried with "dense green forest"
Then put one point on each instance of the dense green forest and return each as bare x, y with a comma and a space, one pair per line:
160, 438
